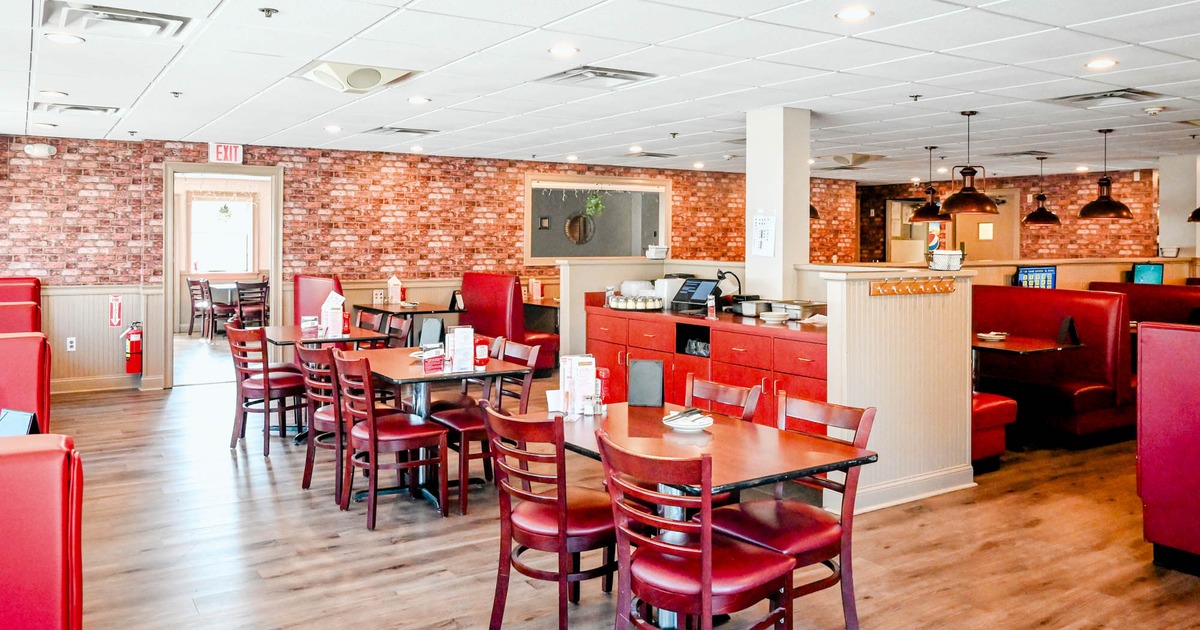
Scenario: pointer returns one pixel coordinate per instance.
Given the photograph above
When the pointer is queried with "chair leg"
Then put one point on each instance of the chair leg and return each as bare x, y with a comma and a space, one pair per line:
239, 422
606, 582
502, 573
266, 427
849, 607
574, 586
486, 448
372, 486
337, 466
464, 471
443, 482
565, 562
347, 478
192, 324
310, 455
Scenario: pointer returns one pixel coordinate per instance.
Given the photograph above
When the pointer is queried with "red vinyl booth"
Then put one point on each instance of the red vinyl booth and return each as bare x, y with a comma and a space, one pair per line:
1168, 417
25, 379
309, 293
40, 550
1168, 303
21, 289
18, 317
494, 308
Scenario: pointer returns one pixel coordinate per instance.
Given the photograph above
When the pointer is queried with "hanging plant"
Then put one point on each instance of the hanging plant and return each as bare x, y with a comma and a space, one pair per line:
224, 213
594, 206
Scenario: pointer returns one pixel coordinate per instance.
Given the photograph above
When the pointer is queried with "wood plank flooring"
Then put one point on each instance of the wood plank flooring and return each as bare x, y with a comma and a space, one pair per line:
182, 532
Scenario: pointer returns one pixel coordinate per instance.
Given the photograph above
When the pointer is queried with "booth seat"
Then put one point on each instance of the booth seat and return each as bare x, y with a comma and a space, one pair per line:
1080, 391
21, 289
494, 308
40, 548
1168, 303
25, 379
17, 317
309, 293
990, 415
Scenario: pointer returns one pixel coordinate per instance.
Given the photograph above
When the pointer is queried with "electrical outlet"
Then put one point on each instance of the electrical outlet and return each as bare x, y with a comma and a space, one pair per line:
70, 344
377, 296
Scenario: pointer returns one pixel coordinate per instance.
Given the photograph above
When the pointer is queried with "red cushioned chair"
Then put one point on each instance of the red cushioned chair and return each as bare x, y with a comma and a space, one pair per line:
252, 301
494, 308
990, 414
40, 549
540, 512
20, 317
25, 378
199, 307
806, 532
684, 565
259, 384
216, 310
324, 413
409, 436
21, 289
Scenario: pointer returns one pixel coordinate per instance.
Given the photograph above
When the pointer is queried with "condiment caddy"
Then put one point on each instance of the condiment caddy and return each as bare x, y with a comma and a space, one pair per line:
639, 303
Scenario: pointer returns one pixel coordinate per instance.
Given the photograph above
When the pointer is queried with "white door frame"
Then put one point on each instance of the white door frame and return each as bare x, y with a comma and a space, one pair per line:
170, 286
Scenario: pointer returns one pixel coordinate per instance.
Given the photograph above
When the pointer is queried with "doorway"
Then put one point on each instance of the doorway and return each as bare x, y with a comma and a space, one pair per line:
222, 223
905, 242
991, 236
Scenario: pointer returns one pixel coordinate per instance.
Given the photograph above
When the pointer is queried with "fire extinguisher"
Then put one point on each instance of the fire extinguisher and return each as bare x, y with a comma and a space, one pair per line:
133, 348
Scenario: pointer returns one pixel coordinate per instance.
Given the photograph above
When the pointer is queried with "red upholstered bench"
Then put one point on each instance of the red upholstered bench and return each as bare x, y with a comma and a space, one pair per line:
25, 379
990, 414
19, 317
494, 308
21, 289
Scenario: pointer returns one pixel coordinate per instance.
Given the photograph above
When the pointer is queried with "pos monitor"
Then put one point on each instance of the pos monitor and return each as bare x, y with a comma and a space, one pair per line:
1147, 273
694, 294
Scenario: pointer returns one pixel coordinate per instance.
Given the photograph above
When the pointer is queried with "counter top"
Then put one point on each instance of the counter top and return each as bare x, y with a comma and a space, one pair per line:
725, 321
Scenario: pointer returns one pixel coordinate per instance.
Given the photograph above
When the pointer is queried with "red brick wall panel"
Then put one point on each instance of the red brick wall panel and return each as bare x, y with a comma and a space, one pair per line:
833, 237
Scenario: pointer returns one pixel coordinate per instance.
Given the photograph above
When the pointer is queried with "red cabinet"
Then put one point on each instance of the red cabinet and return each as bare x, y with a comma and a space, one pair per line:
612, 356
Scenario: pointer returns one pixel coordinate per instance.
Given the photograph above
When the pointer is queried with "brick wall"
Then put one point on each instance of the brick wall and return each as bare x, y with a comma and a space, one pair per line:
1067, 193
833, 237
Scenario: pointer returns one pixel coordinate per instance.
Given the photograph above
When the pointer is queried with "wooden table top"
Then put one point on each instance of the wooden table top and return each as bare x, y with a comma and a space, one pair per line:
398, 366
291, 335
744, 454
544, 302
1022, 345
421, 308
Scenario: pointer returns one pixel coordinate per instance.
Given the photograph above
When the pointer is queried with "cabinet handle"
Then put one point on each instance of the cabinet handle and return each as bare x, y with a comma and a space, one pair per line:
619, 358
603, 328
648, 335
804, 359
763, 385
775, 386
738, 349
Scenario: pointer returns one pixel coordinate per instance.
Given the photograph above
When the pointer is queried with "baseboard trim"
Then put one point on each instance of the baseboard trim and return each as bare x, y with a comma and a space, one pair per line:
97, 383
150, 383
916, 487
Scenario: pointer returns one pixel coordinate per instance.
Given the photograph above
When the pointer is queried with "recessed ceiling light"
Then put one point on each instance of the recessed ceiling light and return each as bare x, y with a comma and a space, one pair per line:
811, 161
698, 165
416, 148
915, 180
64, 38
332, 128
572, 158
1101, 64
854, 14
1081, 168
417, 100
635, 149
45, 124
52, 94
943, 169
563, 50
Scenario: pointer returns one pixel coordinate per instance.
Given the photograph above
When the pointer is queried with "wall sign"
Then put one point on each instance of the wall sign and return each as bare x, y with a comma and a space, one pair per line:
220, 153
114, 311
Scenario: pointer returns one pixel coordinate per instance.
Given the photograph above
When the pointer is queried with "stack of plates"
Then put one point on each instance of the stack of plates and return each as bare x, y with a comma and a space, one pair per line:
774, 317
992, 336
689, 420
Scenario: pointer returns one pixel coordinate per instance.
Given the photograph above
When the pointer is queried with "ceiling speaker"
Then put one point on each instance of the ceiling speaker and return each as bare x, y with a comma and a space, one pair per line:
353, 79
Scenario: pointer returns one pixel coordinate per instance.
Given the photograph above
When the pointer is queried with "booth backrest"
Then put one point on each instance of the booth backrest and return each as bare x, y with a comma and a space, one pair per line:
40, 556
1169, 303
1101, 319
309, 293
16, 317
493, 305
21, 289
25, 379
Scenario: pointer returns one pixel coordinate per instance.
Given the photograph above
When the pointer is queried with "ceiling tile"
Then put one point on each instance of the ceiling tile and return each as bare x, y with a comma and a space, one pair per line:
993, 78
510, 69
372, 52
338, 19
417, 28
1051, 89
1127, 57
834, 83
14, 48
1147, 26
265, 41
1188, 46
741, 8
819, 15
925, 68
140, 60
954, 30
749, 39
115, 91
844, 53
14, 90
1037, 46
666, 61
519, 12
537, 44
639, 21
754, 73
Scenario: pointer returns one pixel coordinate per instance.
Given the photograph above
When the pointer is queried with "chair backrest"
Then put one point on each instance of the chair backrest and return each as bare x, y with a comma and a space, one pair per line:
310, 292
372, 321
25, 379
802, 415
530, 462
40, 542
357, 392
517, 387
493, 305
320, 378
728, 399
197, 292
397, 330
20, 317
431, 330
640, 509
248, 346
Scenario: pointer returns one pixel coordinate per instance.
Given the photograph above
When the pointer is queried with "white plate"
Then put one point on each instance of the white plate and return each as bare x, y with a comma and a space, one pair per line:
992, 336
774, 318
417, 355
692, 424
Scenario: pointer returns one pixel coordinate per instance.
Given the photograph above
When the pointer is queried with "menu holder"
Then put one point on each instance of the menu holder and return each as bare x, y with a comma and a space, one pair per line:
645, 383
1067, 333
456, 301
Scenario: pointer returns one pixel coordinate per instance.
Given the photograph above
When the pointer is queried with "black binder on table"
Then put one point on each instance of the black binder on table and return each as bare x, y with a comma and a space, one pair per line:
645, 383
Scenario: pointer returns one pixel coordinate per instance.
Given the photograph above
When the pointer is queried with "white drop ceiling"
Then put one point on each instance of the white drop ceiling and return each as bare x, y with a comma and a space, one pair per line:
478, 61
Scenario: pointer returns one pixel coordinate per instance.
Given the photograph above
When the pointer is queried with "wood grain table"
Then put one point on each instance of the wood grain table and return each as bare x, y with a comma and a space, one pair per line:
407, 312
292, 334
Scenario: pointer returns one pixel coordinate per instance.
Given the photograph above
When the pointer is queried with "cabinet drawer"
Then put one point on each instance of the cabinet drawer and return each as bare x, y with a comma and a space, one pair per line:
801, 357
652, 335
606, 328
739, 349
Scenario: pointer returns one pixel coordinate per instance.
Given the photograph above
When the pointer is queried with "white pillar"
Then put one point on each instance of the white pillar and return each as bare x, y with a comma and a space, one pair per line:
777, 149
1178, 195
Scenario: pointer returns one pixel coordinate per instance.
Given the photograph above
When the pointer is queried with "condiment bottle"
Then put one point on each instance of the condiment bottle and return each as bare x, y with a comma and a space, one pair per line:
481, 353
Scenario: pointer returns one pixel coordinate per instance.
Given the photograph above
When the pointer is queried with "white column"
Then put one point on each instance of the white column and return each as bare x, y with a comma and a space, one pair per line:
777, 150
1178, 195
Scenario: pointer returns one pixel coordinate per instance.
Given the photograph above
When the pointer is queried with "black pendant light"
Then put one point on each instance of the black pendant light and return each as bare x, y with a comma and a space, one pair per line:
1195, 216
928, 213
812, 212
1105, 207
968, 200
1041, 216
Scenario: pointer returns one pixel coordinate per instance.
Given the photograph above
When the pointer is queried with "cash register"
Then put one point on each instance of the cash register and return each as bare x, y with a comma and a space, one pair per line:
692, 297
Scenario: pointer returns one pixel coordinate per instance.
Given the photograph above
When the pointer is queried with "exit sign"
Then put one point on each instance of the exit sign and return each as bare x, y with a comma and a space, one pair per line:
224, 153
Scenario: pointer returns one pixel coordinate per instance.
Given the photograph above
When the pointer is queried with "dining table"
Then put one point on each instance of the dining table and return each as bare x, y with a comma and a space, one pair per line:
292, 334
407, 310
542, 314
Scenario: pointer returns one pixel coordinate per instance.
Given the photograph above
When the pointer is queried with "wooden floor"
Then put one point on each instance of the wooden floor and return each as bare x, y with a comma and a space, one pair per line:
182, 532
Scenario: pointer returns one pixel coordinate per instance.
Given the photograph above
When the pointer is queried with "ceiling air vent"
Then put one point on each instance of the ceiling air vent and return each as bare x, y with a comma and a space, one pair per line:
1030, 153
852, 162
399, 131
352, 79
1122, 96
597, 77
63, 108
96, 19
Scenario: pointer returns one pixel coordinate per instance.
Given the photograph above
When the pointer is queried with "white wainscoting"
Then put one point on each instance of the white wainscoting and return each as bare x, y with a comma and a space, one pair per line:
82, 312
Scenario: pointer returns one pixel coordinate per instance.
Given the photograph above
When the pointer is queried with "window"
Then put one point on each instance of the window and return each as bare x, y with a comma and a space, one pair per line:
222, 236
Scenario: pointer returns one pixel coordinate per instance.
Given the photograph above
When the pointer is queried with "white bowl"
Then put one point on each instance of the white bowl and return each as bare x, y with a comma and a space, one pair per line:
774, 317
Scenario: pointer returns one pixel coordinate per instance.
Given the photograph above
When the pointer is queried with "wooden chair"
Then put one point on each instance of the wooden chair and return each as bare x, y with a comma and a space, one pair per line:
216, 310
728, 399
371, 321
372, 433
466, 424
806, 532
540, 512
398, 329
199, 308
252, 299
259, 384
325, 429
679, 564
